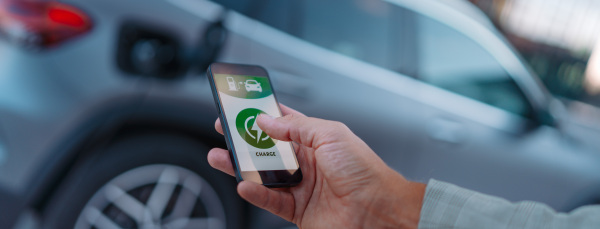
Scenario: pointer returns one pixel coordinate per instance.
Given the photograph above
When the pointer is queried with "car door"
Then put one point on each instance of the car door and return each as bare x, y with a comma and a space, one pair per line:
321, 66
486, 132
358, 65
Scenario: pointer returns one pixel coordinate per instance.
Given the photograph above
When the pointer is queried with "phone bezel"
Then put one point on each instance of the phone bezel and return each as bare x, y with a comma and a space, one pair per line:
269, 178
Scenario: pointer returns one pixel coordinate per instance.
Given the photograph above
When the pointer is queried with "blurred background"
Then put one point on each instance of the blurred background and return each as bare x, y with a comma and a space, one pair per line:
106, 114
558, 40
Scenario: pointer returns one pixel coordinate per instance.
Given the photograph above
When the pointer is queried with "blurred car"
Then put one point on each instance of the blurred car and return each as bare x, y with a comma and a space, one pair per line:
106, 118
430, 85
252, 85
100, 127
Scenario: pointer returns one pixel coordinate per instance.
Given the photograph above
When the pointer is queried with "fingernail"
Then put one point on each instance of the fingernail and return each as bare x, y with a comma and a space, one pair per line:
265, 116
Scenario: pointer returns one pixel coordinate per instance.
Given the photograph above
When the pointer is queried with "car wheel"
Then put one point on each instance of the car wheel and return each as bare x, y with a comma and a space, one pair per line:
146, 181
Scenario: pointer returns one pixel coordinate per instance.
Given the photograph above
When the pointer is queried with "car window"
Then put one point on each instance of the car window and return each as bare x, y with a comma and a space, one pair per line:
362, 29
359, 29
276, 13
397, 39
451, 60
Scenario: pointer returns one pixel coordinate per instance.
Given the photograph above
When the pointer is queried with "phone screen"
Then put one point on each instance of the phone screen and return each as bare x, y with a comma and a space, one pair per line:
243, 98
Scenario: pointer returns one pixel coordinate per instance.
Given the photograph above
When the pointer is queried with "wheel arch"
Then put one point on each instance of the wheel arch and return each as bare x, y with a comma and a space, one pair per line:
113, 123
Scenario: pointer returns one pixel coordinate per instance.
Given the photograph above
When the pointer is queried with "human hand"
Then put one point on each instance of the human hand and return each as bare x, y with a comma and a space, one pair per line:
345, 184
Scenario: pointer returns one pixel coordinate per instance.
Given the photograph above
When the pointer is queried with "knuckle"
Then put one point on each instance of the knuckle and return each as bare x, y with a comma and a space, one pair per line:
289, 117
337, 130
339, 126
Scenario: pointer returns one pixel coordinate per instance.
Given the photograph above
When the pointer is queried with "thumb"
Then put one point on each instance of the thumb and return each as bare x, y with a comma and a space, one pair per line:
307, 131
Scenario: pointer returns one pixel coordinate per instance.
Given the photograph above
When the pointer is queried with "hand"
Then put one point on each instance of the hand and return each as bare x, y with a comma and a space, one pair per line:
345, 184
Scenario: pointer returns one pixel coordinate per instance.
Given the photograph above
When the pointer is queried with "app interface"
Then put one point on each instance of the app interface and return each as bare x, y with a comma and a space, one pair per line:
243, 98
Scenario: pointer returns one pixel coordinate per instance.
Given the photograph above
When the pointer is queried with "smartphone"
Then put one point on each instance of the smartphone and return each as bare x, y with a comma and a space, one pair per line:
241, 93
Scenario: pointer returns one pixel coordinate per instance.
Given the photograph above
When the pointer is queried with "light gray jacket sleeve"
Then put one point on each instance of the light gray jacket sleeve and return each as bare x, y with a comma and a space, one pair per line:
449, 206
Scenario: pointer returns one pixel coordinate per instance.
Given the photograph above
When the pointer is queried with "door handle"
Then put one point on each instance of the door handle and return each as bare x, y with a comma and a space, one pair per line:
446, 130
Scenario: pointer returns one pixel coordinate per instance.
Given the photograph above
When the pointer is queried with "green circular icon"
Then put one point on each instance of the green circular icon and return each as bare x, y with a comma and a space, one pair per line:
249, 130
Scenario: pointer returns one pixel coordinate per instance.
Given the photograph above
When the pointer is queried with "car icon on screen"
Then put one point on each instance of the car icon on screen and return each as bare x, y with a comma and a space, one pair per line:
253, 85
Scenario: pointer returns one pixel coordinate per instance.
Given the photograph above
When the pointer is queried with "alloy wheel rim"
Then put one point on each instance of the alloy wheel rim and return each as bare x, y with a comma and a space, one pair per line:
154, 196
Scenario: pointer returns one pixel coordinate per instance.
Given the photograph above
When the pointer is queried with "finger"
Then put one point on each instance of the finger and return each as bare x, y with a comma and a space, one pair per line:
219, 159
285, 110
218, 126
307, 131
280, 203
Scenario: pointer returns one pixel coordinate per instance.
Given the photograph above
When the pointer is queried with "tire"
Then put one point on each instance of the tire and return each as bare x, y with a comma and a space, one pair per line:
146, 181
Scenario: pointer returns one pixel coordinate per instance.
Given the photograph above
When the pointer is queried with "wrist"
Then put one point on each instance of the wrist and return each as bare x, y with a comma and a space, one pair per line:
397, 204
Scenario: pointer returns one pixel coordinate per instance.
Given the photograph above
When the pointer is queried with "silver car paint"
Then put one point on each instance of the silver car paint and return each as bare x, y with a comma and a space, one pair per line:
480, 147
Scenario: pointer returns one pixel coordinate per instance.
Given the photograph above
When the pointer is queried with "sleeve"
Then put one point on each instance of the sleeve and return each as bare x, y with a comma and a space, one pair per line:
449, 206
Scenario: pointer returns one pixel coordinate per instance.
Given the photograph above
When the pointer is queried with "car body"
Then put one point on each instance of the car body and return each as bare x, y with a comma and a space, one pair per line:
253, 85
432, 87
83, 104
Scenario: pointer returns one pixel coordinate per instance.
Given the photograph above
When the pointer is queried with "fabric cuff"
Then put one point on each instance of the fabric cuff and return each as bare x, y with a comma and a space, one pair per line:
442, 204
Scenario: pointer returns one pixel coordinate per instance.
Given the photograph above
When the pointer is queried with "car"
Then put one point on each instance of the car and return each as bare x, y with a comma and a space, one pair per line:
253, 85
432, 86
100, 126
106, 114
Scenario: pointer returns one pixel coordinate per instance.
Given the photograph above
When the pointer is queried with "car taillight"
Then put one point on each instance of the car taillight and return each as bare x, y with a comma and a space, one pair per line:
37, 23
